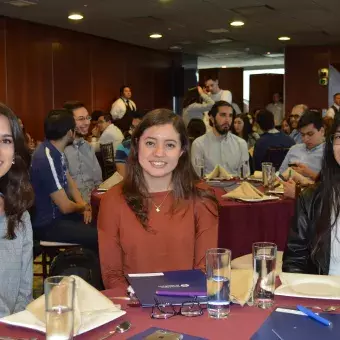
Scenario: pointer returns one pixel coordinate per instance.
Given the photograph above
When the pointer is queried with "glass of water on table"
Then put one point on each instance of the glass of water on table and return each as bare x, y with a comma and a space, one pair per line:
199, 164
218, 282
264, 266
59, 307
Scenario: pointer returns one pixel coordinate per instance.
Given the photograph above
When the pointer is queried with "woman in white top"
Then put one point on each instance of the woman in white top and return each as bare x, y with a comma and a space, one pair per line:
16, 241
313, 245
195, 103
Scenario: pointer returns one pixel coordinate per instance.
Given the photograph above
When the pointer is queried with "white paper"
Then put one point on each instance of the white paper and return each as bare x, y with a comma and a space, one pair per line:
146, 274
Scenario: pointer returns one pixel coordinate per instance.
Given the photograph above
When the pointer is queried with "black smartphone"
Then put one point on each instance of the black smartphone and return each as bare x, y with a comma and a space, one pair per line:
280, 177
292, 164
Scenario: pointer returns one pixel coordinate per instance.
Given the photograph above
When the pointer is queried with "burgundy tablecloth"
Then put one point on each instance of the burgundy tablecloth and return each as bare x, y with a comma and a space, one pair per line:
242, 224
241, 324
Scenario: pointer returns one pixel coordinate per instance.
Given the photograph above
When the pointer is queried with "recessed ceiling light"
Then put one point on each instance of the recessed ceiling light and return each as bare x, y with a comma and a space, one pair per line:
268, 53
75, 16
175, 47
237, 23
218, 30
219, 41
284, 38
274, 55
155, 36
224, 66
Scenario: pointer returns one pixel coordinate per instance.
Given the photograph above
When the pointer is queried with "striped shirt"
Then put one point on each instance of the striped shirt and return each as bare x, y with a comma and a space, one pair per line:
48, 175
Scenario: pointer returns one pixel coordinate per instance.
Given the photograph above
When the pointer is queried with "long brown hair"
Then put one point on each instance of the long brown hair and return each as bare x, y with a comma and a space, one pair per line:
15, 185
184, 178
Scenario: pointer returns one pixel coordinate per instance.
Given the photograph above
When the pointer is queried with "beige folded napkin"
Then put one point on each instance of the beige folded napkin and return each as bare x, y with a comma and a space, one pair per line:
219, 172
258, 174
88, 300
296, 177
245, 190
241, 286
111, 181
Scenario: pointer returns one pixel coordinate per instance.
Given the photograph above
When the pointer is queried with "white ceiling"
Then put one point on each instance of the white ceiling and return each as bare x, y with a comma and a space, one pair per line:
185, 23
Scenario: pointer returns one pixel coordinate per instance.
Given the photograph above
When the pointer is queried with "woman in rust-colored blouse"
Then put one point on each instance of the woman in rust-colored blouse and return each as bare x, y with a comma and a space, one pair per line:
158, 219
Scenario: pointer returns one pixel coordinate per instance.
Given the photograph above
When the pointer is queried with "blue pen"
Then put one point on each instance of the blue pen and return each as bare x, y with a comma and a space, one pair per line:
314, 316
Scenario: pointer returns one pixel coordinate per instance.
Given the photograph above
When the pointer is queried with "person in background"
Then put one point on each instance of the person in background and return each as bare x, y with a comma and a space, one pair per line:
196, 128
217, 94
285, 127
16, 239
327, 124
244, 129
256, 127
82, 162
334, 109
94, 120
123, 149
220, 146
277, 108
122, 109
173, 221
109, 133
306, 158
294, 118
313, 245
61, 214
271, 138
29, 140
195, 103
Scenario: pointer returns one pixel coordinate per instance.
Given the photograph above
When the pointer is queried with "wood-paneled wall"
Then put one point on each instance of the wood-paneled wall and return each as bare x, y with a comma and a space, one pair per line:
41, 67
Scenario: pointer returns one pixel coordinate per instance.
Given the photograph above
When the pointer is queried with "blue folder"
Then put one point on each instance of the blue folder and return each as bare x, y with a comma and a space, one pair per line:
149, 331
298, 327
182, 281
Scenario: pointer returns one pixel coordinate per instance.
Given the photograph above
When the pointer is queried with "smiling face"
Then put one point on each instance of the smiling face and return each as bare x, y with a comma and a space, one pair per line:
6, 146
83, 121
159, 149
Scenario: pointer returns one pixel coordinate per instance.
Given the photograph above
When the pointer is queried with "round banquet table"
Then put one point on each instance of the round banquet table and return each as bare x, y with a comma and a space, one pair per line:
241, 224
242, 323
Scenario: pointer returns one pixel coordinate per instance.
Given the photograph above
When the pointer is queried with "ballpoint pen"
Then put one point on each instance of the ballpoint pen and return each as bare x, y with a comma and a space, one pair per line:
314, 316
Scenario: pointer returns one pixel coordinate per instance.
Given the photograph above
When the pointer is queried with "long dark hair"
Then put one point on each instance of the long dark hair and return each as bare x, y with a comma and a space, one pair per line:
192, 96
184, 178
329, 193
15, 185
247, 127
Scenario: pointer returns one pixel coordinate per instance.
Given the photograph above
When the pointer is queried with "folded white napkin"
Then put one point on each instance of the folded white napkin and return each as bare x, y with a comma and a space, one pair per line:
91, 310
245, 190
219, 172
111, 181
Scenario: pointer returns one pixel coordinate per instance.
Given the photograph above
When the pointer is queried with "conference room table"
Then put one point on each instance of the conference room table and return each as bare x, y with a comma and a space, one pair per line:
241, 324
241, 224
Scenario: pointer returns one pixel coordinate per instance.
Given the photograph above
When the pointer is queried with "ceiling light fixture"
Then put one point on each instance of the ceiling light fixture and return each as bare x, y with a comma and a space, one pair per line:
237, 23
155, 36
224, 66
76, 16
175, 47
284, 38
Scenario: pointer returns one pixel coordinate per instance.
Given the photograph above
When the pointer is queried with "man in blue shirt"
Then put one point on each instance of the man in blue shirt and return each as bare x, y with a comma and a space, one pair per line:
123, 149
271, 138
294, 119
306, 158
60, 213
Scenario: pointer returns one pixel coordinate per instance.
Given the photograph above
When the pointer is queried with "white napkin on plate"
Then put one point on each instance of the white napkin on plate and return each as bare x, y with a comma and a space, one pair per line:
91, 310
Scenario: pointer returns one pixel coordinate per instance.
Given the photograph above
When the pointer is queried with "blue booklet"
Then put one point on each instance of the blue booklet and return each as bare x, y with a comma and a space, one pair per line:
153, 330
173, 287
288, 326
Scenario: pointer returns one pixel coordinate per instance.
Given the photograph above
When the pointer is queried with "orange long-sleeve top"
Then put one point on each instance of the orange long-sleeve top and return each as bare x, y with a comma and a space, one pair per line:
177, 242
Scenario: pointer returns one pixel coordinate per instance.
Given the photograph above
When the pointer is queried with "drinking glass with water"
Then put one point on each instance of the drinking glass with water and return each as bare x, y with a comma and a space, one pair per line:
59, 307
199, 164
266, 173
264, 261
218, 282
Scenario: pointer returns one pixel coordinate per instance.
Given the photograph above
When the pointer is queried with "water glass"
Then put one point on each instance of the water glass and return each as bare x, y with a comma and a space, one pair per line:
218, 282
264, 265
199, 165
266, 173
59, 307
244, 171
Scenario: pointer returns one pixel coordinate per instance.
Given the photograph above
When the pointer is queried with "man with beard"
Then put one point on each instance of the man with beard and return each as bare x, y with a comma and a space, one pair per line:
220, 146
80, 156
60, 213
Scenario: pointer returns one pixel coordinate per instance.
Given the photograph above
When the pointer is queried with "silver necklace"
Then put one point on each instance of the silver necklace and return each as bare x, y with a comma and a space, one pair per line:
158, 207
